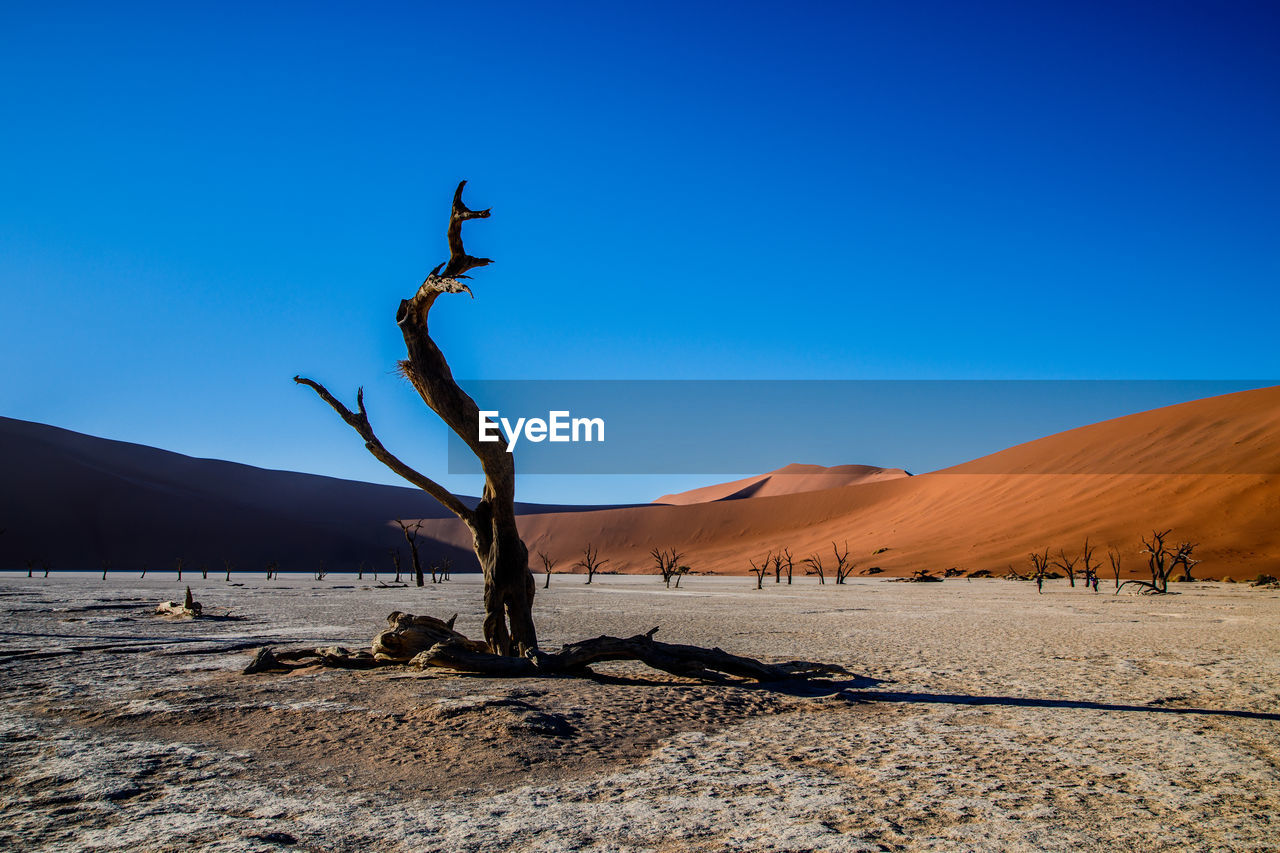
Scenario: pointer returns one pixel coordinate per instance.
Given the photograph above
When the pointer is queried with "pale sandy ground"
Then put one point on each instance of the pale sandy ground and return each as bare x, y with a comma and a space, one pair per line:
1005, 721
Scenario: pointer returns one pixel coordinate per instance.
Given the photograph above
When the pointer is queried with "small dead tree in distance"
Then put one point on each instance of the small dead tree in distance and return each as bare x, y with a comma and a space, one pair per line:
590, 562
1068, 565
1114, 557
1182, 557
410, 532
1158, 564
547, 565
814, 562
844, 566
1090, 568
667, 563
1040, 568
760, 570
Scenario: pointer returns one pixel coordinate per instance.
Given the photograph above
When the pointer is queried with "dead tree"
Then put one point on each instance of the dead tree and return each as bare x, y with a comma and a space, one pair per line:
1114, 557
1182, 557
204, 571
844, 566
590, 562
181, 563
273, 570
395, 560
789, 563
1040, 568
679, 572
1090, 568
814, 562
547, 565
227, 564
45, 565
411, 536
1068, 565
668, 564
31, 567
510, 641
445, 566
760, 570
504, 559
1158, 564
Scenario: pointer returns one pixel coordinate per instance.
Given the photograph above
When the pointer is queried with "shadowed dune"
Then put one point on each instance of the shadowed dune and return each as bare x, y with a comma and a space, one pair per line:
76, 500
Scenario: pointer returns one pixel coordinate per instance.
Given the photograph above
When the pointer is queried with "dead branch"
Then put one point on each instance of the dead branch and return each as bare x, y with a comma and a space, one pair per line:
423, 641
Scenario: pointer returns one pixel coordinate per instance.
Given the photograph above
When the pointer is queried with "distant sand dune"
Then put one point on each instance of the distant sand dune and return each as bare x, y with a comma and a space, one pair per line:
991, 512
1210, 469
788, 480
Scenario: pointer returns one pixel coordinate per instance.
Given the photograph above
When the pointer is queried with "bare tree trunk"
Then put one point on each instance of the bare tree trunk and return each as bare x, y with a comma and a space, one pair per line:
504, 559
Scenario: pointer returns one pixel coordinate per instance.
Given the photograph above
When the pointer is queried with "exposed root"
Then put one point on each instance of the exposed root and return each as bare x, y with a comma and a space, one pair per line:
424, 641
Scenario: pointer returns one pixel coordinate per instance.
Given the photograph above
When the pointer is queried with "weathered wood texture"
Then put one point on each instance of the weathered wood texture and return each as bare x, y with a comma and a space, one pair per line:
424, 641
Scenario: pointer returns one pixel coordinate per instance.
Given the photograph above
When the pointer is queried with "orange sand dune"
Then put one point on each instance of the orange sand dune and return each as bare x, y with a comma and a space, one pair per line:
1112, 481
789, 480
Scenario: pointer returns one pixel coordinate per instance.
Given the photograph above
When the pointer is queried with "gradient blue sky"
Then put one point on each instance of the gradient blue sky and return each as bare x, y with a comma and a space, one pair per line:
199, 200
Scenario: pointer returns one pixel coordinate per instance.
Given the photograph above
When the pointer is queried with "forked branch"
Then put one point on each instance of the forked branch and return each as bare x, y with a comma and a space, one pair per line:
359, 421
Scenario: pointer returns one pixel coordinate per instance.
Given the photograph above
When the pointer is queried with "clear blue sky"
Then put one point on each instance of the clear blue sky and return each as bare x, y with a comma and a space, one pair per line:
199, 200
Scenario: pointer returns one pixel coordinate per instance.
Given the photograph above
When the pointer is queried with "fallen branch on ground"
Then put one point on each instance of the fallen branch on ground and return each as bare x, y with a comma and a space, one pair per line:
424, 641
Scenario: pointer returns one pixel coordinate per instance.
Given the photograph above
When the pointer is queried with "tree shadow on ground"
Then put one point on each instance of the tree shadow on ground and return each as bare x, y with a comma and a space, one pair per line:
856, 695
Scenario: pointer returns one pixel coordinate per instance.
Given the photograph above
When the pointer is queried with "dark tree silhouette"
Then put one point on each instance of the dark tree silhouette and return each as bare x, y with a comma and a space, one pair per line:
814, 562
1068, 565
1159, 563
760, 570
410, 532
547, 565
844, 566
590, 562
1182, 557
1040, 568
668, 563
786, 561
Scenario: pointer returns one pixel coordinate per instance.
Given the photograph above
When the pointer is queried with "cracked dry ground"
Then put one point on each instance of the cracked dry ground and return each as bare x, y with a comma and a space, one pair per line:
1005, 721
